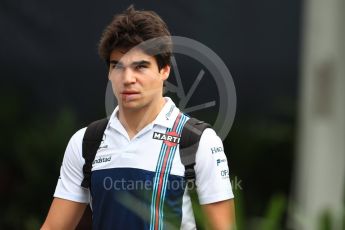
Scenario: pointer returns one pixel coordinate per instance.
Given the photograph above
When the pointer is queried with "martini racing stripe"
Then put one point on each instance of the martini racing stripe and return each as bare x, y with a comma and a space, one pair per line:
159, 174
153, 210
162, 173
166, 174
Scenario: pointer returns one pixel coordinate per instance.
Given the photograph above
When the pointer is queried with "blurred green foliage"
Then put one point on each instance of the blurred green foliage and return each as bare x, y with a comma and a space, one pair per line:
271, 220
274, 213
32, 152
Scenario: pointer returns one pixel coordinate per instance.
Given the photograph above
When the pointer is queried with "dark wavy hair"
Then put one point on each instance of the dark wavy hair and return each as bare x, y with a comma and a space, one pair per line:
132, 27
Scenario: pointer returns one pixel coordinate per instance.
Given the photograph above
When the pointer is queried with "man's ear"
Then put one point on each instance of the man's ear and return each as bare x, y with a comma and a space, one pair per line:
165, 71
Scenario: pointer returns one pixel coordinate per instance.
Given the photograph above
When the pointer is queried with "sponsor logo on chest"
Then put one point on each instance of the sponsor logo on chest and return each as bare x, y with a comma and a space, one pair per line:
101, 160
170, 138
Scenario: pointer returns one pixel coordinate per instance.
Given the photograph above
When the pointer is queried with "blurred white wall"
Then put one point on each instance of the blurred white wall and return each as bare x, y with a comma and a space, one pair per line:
320, 168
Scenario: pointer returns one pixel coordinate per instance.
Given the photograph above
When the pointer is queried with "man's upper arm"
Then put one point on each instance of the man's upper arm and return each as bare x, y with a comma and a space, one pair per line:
70, 199
213, 182
71, 172
212, 171
63, 214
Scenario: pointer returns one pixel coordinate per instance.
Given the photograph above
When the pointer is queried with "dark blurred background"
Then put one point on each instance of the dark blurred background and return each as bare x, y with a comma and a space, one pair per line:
53, 83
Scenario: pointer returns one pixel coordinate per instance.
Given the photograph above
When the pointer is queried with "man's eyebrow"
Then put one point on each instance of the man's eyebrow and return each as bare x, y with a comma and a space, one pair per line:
141, 62
115, 62
135, 63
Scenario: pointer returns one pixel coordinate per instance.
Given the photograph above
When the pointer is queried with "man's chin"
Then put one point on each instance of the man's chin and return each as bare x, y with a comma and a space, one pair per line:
131, 105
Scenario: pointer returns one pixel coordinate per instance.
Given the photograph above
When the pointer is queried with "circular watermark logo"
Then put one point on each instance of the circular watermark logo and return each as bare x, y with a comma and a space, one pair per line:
210, 61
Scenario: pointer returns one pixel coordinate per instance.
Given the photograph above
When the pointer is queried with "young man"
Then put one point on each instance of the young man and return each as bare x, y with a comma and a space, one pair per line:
137, 177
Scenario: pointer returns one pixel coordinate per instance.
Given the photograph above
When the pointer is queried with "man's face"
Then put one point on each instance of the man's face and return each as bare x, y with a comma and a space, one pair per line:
135, 78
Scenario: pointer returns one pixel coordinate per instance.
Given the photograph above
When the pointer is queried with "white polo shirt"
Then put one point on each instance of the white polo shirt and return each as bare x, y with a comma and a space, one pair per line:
139, 183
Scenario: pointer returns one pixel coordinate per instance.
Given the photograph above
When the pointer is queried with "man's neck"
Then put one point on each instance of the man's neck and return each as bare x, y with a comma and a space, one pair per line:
134, 120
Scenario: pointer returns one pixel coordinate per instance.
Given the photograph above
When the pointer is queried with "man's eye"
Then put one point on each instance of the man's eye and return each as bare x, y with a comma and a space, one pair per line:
138, 67
116, 66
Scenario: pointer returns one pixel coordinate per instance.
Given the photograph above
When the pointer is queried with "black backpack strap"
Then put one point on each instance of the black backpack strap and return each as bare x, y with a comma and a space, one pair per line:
91, 142
189, 143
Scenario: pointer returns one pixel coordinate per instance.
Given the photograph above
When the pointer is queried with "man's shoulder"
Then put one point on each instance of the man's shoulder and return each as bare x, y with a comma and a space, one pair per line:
208, 131
210, 138
78, 136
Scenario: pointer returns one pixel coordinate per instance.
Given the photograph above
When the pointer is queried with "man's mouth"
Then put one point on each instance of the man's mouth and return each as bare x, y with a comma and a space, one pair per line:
129, 92
129, 95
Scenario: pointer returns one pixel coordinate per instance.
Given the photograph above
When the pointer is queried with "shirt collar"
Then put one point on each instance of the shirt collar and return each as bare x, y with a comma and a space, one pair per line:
165, 118
168, 114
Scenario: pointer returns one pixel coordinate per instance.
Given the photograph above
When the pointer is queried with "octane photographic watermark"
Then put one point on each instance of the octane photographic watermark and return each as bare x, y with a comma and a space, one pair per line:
110, 183
211, 62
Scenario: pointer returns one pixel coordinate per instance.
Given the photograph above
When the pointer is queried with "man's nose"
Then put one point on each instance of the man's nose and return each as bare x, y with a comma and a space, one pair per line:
128, 76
